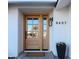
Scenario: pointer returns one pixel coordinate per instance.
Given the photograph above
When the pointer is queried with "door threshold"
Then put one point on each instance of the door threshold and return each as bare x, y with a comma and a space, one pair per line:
36, 51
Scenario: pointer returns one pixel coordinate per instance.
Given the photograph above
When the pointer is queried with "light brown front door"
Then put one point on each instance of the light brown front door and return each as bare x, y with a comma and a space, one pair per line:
36, 32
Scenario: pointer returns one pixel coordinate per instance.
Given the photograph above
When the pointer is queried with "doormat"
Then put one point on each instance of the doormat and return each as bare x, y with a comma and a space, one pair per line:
35, 54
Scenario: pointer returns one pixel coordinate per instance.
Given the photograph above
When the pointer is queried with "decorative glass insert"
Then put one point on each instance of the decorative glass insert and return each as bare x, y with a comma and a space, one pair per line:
29, 34
35, 27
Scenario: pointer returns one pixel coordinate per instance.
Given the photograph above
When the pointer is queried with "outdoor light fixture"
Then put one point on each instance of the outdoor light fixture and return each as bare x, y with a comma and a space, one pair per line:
50, 21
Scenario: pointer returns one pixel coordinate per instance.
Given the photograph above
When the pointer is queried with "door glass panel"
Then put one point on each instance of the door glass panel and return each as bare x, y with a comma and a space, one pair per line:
30, 21
35, 27
35, 21
44, 27
29, 27
32, 27
44, 22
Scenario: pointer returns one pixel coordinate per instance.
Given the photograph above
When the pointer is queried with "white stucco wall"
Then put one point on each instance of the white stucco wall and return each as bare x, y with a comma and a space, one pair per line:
61, 32
15, 29
12, 31
20, 31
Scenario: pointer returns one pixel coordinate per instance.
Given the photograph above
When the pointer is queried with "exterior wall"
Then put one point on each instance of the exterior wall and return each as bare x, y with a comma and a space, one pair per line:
12, 31
62, 3
15, 23
61, 32
20, 31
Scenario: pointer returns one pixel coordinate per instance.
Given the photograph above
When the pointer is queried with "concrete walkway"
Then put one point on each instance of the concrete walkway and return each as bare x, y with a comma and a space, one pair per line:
47, 56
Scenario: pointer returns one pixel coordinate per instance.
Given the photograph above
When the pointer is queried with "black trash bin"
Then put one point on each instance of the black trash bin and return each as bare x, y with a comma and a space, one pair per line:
61, 48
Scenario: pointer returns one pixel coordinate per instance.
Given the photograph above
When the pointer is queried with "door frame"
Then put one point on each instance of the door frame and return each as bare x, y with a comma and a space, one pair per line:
24, 28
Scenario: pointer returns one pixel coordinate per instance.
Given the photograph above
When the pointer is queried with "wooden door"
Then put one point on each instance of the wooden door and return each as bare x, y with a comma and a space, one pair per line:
36, 36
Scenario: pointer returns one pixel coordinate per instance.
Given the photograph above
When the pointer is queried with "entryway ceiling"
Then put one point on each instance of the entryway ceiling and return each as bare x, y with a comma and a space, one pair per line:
36, 10
34, 7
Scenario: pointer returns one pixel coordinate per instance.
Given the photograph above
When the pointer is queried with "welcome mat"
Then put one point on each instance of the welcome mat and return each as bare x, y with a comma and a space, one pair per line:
35, 54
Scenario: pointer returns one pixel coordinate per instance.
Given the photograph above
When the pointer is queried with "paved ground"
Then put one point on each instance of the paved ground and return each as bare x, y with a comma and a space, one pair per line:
48, 56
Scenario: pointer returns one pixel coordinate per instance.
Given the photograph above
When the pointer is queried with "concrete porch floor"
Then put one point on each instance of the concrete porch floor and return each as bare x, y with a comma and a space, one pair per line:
47, 56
